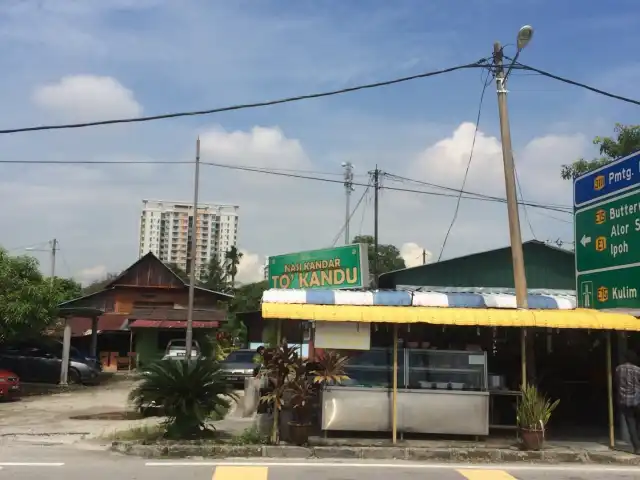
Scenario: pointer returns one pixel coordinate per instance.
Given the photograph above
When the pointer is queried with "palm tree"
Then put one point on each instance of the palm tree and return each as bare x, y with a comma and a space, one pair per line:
189, 393
233, 257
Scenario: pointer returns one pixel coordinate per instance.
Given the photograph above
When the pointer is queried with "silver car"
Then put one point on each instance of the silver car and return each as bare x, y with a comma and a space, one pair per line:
239, 365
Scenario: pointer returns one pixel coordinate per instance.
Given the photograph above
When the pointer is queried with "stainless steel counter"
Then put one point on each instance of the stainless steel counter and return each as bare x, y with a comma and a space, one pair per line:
365, 409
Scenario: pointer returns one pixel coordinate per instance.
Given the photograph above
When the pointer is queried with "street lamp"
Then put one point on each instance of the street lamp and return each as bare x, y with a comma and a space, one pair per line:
520, 280
524, 36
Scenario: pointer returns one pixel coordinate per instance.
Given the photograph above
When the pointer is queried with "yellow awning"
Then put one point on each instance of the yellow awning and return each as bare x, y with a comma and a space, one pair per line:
481, 317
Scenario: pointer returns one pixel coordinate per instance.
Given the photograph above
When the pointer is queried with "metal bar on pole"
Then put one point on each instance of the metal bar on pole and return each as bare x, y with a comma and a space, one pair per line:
192, 259
612, 439
394, 403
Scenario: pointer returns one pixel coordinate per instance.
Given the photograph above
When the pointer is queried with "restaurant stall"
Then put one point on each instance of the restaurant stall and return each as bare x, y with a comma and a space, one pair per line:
404, 382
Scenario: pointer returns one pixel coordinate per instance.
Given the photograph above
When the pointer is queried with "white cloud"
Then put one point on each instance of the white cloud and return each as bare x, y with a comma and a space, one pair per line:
87, 97
251, 268
413, 254
537, 164
91, 274
266, 147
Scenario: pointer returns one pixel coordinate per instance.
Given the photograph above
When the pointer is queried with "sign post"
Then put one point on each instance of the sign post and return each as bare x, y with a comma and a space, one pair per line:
607, 235
330, 268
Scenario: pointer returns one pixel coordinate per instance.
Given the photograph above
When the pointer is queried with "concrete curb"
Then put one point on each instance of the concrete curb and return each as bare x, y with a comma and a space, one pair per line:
416, 454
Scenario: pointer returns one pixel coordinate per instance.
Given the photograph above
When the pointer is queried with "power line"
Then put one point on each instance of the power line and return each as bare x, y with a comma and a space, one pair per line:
479, 64
577, 84
526, 212
394, 177
476, 196
290, 174
466, 172
335, 240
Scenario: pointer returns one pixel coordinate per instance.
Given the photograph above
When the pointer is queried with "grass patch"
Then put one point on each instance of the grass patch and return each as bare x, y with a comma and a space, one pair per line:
143, 433
251, 436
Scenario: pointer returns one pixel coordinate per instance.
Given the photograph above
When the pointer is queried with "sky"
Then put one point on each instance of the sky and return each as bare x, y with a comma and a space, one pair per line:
83, 60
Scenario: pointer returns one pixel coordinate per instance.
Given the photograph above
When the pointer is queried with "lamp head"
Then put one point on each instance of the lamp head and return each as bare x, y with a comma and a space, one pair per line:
524, 36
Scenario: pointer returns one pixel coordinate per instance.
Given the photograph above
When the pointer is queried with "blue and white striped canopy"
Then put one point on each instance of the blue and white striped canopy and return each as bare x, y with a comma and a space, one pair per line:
423, 297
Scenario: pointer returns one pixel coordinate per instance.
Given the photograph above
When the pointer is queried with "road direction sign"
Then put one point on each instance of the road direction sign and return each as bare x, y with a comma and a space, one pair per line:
607, 235
617, 177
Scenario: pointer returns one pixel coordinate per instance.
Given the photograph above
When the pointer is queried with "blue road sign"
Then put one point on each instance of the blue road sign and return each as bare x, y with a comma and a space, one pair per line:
615, 178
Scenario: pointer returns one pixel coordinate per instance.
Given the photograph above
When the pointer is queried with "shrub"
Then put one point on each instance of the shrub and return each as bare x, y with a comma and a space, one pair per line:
189, 393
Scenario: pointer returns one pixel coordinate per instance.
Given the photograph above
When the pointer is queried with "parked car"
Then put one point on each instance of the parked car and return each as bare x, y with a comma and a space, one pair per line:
41, 361
9, 385
177, 349
240, 364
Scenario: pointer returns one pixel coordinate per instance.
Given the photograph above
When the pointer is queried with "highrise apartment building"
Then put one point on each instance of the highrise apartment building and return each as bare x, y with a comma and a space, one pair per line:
166, 229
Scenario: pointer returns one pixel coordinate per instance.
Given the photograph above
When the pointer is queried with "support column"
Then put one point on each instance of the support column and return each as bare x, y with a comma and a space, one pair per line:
94, 338
66, 347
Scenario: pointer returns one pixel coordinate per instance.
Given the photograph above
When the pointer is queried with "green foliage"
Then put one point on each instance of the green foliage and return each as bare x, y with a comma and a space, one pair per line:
247, 297
233, 257
330, 369
29, 301
67, 288
389, 258
215, 277
250, 436
189, 392
626, 142
534, 409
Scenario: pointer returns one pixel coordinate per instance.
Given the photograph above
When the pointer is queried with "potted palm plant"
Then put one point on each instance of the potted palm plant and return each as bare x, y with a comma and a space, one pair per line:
302, 392
533, 414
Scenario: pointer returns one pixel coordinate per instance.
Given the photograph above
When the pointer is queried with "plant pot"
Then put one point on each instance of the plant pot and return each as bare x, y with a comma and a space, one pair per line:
299, 433
532, 439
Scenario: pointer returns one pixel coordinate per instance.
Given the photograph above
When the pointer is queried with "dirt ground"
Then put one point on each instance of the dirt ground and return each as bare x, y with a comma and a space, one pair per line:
55, 415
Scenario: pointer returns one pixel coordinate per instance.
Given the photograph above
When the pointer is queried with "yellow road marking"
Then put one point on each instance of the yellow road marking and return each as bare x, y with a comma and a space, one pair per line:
485, 474
240, 473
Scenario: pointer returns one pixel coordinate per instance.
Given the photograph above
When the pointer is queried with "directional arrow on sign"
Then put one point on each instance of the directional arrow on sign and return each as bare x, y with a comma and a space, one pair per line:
585, 240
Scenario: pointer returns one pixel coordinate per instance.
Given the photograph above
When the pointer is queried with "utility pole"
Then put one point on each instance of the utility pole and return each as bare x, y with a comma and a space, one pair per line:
192, 259
424, 256
348, 187
54, 247
517, 255
376, 188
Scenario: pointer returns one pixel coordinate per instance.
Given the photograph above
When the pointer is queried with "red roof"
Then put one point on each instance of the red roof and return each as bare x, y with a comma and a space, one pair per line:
110, 322
170, 324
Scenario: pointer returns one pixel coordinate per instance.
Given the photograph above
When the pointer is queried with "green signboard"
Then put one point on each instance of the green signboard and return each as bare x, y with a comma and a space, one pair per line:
607, 236
609, 289
334, 268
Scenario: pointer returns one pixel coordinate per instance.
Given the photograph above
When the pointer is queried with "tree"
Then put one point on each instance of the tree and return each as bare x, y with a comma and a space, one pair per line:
233, 257
247, 297
68, 289
389, 258
626, 142
28, 301
215, 277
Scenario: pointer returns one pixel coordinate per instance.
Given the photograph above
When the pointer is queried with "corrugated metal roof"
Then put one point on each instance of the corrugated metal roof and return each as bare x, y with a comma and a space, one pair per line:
429, 298
143, 323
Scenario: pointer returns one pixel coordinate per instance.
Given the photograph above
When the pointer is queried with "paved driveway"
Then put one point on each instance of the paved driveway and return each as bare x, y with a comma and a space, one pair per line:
55, 415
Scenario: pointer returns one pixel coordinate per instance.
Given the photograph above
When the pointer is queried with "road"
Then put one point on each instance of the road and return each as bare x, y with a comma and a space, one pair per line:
34, 462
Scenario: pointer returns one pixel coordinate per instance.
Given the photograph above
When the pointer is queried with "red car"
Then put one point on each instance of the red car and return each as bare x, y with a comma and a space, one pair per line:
9, 385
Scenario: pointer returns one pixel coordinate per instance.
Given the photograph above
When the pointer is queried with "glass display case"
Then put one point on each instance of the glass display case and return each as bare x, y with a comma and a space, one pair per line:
439, 392
446, 370
374, 369
418, 369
